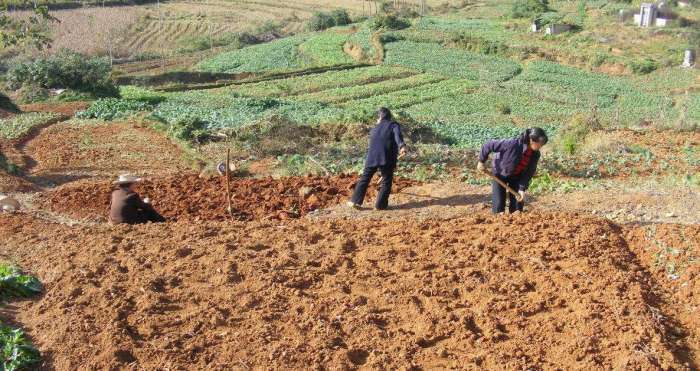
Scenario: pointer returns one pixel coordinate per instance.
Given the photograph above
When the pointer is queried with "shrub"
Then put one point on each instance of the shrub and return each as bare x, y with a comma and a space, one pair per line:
341, 17
572, 135
529, 8
188, 130
598, 60
647, 65
31, 93
503, 108
268, 27
320, 21
478, 44
548, 18
66, 69
389, 22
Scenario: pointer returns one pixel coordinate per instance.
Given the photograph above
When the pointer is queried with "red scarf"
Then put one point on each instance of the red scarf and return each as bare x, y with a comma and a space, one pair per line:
523, 162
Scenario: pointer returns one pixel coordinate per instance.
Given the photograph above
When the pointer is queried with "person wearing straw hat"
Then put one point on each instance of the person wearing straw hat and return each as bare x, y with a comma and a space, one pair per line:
126, 205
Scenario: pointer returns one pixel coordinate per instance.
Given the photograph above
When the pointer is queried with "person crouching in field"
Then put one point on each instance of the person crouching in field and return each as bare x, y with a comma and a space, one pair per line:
515, 163
127, 207
385, 145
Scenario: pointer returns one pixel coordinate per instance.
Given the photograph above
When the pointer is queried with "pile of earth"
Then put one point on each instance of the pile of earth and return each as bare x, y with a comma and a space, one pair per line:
530, 291
190, 197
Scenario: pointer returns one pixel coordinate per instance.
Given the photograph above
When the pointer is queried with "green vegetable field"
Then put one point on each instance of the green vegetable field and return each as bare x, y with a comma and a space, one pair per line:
17, 126
463, 95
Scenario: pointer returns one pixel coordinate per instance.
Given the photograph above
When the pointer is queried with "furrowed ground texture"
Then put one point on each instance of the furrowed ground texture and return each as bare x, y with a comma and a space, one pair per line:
475, 292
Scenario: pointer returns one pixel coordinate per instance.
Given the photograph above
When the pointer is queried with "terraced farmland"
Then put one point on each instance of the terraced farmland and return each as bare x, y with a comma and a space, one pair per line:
464, 96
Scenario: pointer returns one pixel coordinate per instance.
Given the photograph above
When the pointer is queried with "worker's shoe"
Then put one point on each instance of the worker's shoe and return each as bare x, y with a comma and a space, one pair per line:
353, 205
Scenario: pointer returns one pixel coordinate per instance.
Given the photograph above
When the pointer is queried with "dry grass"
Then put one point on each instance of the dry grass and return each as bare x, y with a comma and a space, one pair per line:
89, 30
137, 29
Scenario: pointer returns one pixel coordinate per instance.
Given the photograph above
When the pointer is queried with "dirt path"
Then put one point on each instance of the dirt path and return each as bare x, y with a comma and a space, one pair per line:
617, 201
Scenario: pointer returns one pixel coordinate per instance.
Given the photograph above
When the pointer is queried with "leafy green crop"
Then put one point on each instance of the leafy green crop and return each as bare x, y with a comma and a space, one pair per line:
17, 126
430, 57
17, 352
351, 93
578, 89
15, 284
282, 54
113, 108
363, 39
326, 48
323, 81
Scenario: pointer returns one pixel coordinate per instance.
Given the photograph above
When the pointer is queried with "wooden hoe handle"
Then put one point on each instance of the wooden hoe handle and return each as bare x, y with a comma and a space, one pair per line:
504, 185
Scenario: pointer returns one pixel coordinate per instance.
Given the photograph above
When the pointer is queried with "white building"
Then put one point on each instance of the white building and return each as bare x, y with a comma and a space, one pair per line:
689, 59
649, 16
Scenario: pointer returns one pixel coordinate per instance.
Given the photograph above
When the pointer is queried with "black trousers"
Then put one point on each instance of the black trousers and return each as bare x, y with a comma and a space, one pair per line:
149, 214
387, 173
499, 196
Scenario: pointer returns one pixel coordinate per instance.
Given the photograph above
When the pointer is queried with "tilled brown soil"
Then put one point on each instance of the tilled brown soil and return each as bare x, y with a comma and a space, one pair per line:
190, 197
672, 253
530, 291
103, 148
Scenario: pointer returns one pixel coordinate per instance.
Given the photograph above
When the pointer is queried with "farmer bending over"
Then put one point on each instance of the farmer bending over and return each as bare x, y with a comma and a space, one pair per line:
515, 163
385, 144
127, 207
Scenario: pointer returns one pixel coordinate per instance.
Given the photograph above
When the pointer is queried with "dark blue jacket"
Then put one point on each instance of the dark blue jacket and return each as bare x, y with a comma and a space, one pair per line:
384, 143
508, 153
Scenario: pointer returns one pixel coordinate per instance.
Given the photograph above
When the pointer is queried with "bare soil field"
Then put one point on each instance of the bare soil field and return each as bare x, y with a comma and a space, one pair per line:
103, 149
294, 279
497, 292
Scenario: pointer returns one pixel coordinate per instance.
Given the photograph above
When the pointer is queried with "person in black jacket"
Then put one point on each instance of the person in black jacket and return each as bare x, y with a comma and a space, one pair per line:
515, 163
385, 145
127, 207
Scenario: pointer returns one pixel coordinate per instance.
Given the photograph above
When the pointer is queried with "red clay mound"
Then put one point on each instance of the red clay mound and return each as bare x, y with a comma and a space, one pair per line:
534, 291
190, 197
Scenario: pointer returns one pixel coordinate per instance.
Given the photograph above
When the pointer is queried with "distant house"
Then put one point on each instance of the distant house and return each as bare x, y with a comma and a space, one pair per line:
651, 15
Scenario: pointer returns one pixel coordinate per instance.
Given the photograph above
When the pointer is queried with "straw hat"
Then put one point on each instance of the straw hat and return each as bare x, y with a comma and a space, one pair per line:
126, 179
8, 204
